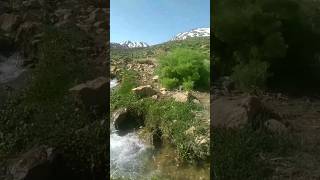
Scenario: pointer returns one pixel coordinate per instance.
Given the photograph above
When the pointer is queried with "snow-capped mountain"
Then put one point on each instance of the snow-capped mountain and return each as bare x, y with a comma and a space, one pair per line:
131, 44
198, 32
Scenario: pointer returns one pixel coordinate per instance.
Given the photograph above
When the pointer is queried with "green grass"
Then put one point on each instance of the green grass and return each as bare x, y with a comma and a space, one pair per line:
171, 117
44, 112
236, 154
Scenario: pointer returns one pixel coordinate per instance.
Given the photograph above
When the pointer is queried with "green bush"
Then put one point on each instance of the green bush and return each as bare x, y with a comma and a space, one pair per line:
251, 76
184, 67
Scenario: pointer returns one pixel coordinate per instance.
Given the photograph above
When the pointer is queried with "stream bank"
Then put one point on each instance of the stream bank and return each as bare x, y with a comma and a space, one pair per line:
139, 154
44, 123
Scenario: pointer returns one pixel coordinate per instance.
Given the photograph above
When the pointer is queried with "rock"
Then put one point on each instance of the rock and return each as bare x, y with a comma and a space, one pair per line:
182, 96
31, 4
275, 126
9, 22
26, 31
93, 16
93, 94
196, 101
62, 12
202, 140
155, 78
125, 120
236, 112
34, 164
145, 91
190, 131
154, 97
163, 91
113, 69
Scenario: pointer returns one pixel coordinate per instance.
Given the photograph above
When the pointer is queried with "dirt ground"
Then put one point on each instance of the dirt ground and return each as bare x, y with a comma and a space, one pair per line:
304, 125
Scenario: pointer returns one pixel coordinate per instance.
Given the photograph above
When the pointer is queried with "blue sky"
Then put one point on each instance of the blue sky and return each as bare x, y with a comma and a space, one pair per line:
156, 21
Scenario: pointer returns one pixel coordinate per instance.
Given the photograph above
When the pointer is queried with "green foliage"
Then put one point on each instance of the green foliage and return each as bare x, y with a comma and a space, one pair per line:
170, 82
250, 76
282, 33
60, 64
122, 95
184, 67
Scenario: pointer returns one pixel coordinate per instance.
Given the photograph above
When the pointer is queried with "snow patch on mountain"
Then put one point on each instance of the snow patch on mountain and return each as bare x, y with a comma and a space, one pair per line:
198, 32
131, 44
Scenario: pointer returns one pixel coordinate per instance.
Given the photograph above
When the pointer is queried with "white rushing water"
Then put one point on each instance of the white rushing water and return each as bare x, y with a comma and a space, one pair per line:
113, 83
128, 156
10, 68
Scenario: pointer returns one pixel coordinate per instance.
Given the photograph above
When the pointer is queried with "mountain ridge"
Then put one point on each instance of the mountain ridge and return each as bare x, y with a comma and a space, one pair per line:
196, 32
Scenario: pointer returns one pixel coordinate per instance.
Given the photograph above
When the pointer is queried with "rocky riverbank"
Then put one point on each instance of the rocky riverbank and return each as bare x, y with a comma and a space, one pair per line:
47, 131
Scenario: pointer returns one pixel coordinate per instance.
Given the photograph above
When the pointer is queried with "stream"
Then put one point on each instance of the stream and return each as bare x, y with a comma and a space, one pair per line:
12, 75
131, 158
10, 67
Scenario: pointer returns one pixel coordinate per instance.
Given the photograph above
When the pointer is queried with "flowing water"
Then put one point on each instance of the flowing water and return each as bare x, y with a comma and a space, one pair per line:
113, 83
131, 158
10, 68
12, 75
128, 156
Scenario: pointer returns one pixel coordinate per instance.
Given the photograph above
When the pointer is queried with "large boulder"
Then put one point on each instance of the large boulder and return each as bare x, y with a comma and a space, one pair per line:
275, 126
27, 30
34, 164
183, 96
235, 112
41, 163
93, 94
9, 22
31, 4
145, 91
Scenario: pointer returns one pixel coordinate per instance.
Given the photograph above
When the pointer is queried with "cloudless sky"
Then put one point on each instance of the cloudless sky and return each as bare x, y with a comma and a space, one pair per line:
156, 21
